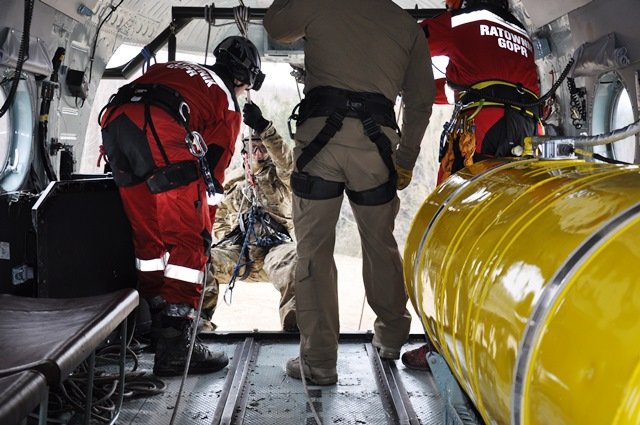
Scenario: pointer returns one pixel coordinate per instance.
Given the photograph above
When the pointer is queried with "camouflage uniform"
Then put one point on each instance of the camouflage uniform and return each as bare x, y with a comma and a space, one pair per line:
277, 264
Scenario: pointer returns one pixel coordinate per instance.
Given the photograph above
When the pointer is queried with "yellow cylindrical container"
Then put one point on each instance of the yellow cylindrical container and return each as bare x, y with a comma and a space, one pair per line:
526, 275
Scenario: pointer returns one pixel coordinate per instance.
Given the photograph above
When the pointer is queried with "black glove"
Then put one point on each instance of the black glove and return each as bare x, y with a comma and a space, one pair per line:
252, 116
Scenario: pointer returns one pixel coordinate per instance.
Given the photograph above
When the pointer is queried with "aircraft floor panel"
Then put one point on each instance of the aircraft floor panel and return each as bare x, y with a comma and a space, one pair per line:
255, 389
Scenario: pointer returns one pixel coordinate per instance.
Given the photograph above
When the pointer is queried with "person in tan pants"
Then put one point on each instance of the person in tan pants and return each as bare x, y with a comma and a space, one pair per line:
359, 56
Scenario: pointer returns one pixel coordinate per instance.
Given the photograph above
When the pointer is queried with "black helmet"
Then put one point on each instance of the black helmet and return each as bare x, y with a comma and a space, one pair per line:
503, 4
242, 58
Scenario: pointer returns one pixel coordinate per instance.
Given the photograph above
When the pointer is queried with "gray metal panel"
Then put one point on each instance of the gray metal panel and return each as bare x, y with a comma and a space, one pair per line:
542, 12
423, 392
200, 396
274, 398
71, 8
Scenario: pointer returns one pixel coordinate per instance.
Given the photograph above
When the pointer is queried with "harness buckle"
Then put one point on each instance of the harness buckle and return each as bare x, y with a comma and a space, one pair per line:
335, 121
355, 105
295, 116
370, 127
213, 191
355, 102
196, 144
136, 94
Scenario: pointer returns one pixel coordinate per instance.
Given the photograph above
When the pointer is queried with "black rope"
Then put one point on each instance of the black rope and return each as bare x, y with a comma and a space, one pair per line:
23, 55
95, 40
599, 157
244, 253
69, 397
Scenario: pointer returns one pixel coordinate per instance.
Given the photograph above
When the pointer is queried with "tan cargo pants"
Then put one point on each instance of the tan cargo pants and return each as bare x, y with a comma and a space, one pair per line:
276, 265
356, 162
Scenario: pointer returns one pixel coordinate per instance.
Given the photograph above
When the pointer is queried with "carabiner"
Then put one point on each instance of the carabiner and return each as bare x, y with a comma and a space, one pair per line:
196, 144
183, 115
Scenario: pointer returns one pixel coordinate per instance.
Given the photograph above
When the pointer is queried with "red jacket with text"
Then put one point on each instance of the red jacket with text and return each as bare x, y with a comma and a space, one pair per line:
483, 44
171, 229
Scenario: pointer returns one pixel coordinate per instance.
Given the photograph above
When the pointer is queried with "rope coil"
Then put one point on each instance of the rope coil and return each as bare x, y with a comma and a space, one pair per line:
241, 16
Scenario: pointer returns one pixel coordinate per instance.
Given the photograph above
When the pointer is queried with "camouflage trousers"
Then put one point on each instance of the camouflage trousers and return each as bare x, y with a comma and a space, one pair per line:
276, 265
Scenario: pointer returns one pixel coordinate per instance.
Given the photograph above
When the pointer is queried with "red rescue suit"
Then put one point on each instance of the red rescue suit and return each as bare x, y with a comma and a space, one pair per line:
171, 229
484, 44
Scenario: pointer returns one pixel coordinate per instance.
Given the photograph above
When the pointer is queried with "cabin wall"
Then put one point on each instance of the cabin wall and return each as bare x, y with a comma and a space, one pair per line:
586, 24
68, 115
593, 21
598, 17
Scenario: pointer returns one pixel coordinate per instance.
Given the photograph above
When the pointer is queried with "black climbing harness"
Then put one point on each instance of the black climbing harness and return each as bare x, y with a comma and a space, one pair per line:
172, 102
373, 110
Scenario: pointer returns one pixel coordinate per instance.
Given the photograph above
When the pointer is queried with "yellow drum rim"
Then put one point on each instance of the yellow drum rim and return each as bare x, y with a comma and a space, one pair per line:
498, 167
549, 298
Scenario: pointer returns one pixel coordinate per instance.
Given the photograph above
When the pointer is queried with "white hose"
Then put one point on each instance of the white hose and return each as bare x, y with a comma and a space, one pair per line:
589, 141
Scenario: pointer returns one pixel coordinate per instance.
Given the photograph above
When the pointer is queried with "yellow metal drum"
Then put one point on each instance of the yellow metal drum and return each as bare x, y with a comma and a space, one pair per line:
526, 275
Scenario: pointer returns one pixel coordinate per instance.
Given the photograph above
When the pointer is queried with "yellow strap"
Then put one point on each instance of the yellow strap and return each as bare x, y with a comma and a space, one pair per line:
581, 152
478, 107
488, 83
482, 103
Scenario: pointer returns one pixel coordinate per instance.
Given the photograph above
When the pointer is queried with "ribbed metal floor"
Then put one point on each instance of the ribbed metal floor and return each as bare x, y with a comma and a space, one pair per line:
255, 389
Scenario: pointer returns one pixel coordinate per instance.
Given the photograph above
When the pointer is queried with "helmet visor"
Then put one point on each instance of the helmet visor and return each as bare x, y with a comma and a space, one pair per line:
257, 80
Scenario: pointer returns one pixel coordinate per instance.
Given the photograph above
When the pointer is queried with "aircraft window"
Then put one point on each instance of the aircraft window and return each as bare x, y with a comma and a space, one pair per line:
16, 131
612, 110
621, 116
5, 134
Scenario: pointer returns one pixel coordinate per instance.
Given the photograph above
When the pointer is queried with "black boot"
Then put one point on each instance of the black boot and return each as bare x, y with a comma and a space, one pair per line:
143, 319
155, 332
173, 346
156, 309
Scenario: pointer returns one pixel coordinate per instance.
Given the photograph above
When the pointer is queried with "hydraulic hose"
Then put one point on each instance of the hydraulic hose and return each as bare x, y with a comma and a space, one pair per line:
585, 141
48, 89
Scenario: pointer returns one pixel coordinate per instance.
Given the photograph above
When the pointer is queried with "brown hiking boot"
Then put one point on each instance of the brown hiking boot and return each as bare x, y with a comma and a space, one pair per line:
206, 326
173, 347
313, 375
417, 358
387, 353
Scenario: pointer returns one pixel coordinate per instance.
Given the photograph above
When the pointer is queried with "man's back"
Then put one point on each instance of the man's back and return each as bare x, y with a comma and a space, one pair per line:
210, 101
363, 46
359, 45
483, 43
